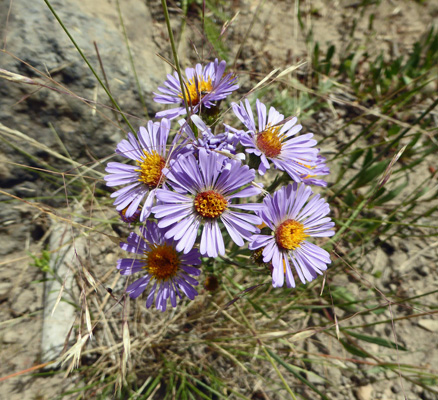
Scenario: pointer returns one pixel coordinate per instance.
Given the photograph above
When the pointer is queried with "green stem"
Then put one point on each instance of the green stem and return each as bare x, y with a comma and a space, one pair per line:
350, 220
279, 374
89, 66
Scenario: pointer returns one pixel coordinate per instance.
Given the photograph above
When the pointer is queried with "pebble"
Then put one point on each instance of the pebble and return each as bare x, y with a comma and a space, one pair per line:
395, 388
380, 260
10, 337
393, 287
422, 270
430, 325
110, 259
5, 287
364, 392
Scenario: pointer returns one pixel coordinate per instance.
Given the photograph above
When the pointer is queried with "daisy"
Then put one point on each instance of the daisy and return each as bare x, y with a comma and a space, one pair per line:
169, 271
210, 184
204, 86
272, 141
319, 169
224, 143
151, 155
133, 218
294, 216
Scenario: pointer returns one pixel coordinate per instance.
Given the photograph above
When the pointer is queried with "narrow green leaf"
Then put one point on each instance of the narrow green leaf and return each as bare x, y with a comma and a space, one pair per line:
377, 340
259, 308
392, 194
152, 386
292, 369
330, 53
370, 174
198, 392
204, 385
353, 349
342, 295
350, 198
355, 156
368, 158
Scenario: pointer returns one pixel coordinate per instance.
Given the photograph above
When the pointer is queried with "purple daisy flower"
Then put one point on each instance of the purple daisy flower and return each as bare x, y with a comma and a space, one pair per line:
170, 271
293, 217
203, 87
151, 154
133, 218
225, 142
319, 169
210, 185
273, 140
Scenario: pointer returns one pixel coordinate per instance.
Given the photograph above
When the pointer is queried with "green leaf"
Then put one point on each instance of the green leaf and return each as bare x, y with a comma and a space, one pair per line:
342, 295
394, 130
368, 158
259, 308
316, 56
353, 349
293, 370
380, 192
355, 156
376, 340
330, 53
328, 58
391, 194
370, 174
350, 198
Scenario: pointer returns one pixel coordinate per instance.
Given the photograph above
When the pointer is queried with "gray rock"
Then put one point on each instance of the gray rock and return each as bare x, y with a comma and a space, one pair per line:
63, 261
334, 374
36, 37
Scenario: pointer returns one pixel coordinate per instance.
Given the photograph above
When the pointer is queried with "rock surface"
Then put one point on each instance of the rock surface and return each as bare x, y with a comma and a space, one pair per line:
38, 48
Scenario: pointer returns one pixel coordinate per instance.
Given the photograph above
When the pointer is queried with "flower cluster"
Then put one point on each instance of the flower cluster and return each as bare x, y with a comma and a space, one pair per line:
189, 191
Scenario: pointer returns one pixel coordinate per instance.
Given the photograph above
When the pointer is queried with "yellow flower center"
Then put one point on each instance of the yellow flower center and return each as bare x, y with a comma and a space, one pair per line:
196, 90
290, 234
162, 261
151, 167
269, 141
210, 204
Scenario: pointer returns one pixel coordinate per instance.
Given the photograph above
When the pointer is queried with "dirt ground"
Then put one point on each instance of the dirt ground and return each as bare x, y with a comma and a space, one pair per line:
274, 42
